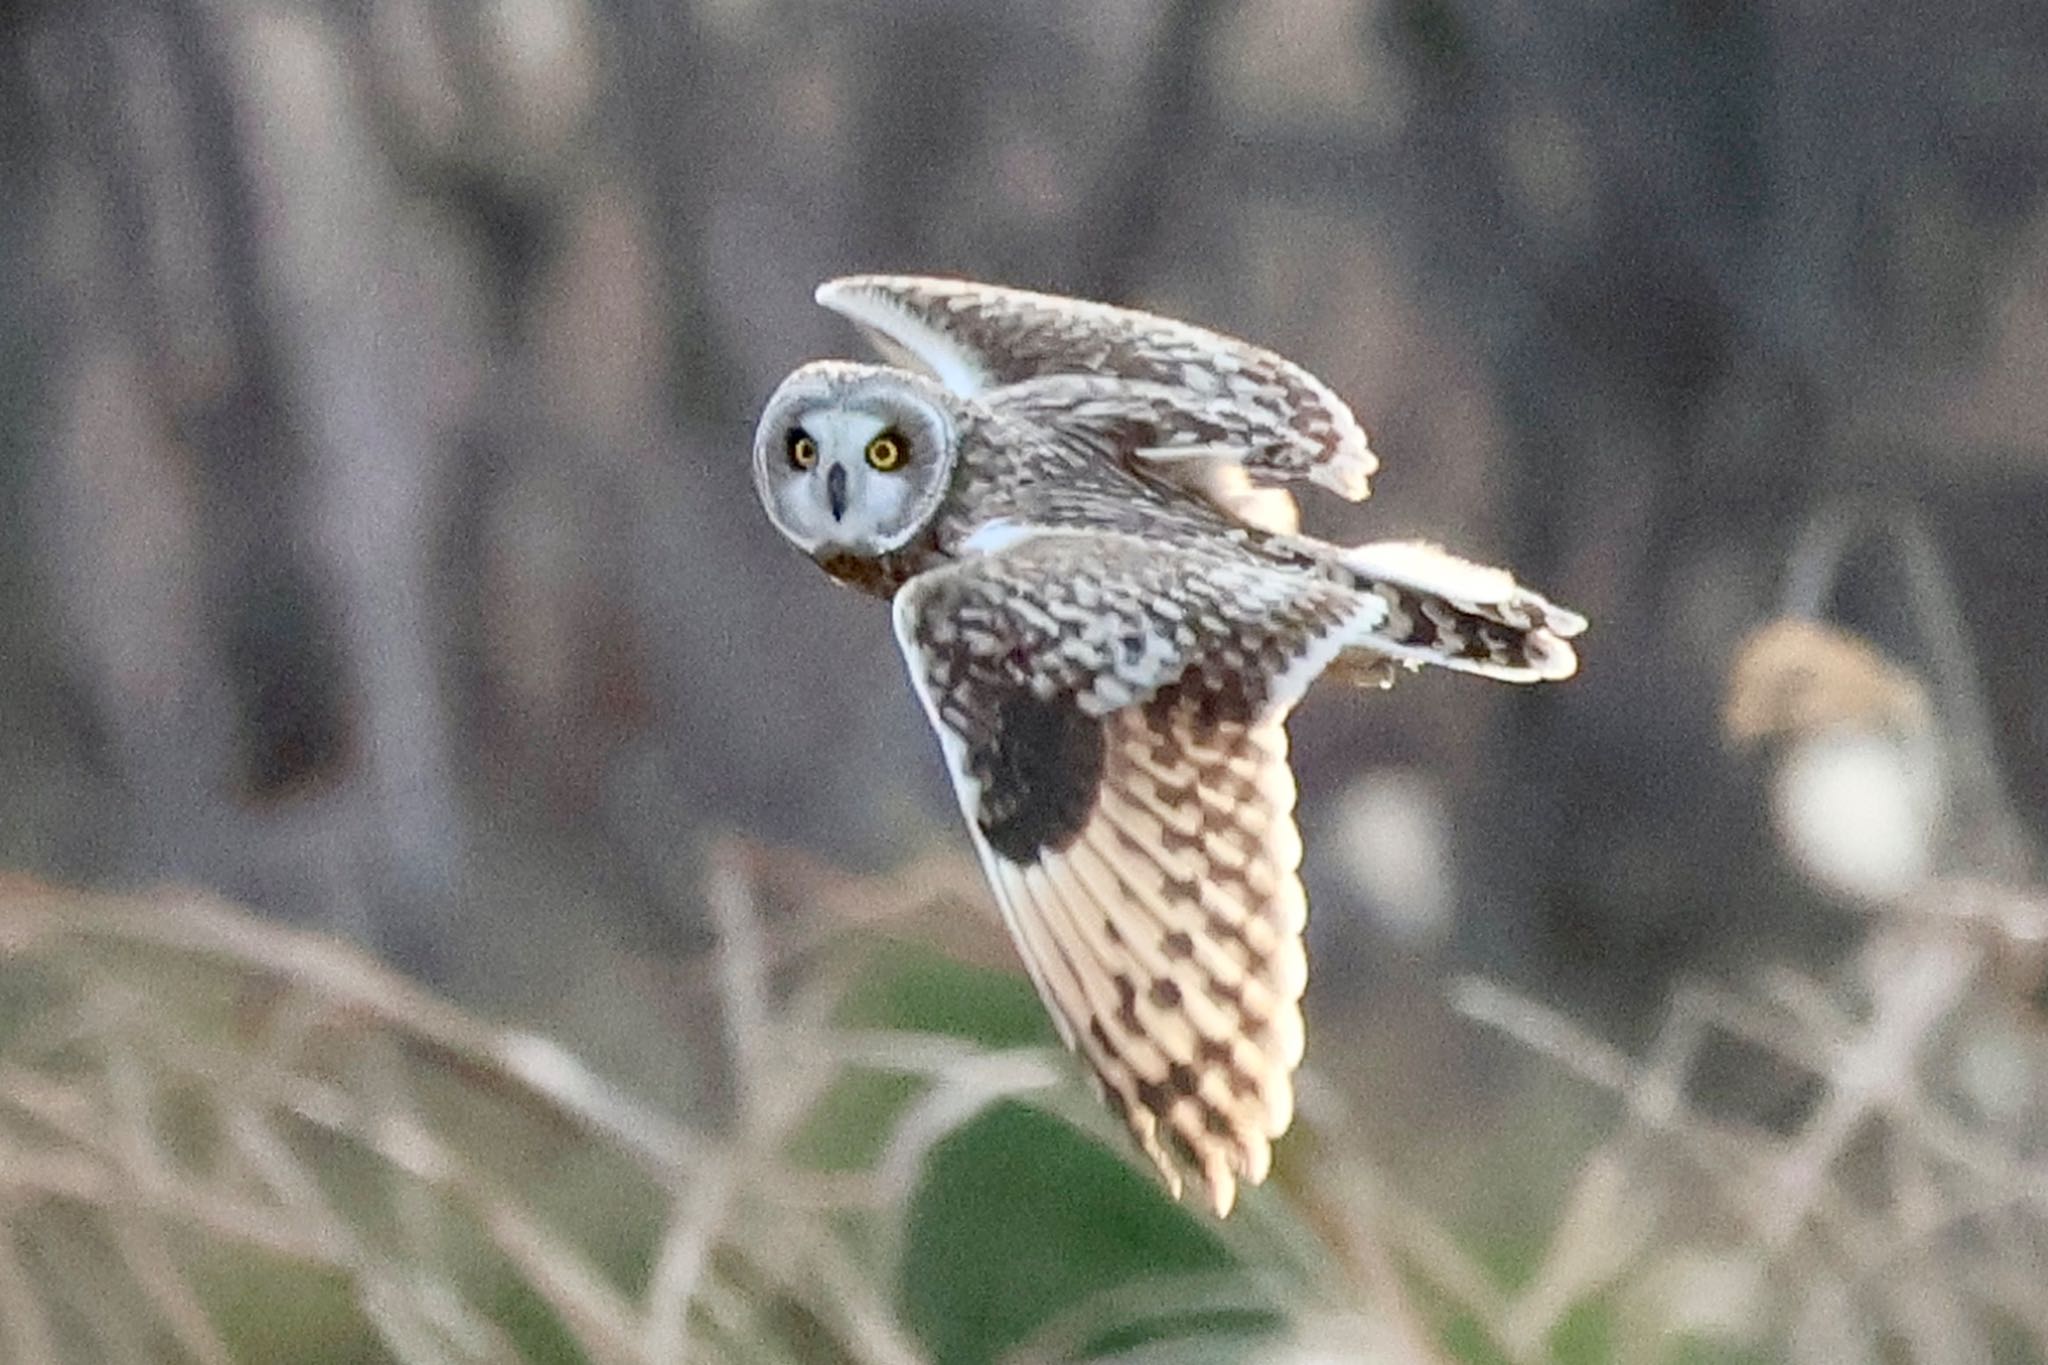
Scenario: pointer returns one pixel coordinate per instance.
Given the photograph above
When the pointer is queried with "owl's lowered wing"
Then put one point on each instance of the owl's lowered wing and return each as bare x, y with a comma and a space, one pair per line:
1111, 712
1154, 388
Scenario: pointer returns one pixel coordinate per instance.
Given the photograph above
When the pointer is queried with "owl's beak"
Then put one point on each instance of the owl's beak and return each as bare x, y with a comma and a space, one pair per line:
835, 490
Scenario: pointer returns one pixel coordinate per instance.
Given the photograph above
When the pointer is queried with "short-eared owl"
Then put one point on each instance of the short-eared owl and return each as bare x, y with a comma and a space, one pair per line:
1107, 611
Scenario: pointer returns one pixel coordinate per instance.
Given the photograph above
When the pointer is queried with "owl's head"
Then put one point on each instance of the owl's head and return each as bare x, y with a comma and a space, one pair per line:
852, 458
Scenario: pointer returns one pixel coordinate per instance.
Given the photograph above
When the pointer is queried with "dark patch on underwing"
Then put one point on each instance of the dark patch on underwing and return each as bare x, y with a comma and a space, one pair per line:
1040, 770
1127, 1004
1209, 699
1225, 930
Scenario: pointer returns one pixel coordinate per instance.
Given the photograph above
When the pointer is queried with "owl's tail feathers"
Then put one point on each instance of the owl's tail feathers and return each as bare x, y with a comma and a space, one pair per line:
1453, 613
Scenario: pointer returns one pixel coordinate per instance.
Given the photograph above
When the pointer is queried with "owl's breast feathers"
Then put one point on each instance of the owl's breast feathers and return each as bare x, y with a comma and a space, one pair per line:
881, 575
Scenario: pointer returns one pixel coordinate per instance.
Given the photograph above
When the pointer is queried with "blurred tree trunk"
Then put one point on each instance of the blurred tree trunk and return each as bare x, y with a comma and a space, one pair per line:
241, 493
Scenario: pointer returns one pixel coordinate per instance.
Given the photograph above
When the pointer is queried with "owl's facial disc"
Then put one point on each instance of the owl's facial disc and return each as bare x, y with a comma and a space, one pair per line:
859, 502
850, 461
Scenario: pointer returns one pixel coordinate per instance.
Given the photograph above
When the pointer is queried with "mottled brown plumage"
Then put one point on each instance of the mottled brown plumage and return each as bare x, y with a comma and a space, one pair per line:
1107, 614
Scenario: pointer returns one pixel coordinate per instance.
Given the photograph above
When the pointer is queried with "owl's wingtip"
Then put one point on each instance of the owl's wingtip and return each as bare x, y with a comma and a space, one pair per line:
842, 292
830, 293
1348, 472
837, 290
1222, 1190
1551, 658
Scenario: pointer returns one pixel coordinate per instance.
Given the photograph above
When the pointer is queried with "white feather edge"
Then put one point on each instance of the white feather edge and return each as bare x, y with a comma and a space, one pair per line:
1431, 569
1479, 589
868, 301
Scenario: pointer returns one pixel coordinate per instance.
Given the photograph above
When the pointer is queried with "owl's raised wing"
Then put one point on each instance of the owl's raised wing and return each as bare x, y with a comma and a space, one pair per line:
1111, 712
1153, 388
1226, 452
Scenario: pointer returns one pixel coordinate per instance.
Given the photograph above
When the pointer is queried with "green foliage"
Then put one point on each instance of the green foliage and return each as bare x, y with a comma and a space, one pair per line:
270, 1309
1696, 1351
849, 1127
1585, 1336
909, 987
1021, 1219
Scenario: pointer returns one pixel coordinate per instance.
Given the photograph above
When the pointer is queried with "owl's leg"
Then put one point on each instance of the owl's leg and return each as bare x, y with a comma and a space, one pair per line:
1364, 669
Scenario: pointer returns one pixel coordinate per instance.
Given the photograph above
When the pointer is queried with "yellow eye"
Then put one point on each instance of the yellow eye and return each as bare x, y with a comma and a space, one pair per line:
803, 451
886, 452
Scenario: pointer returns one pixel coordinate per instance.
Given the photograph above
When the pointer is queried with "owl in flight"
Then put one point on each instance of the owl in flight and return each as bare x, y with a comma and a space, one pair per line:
1081, 515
